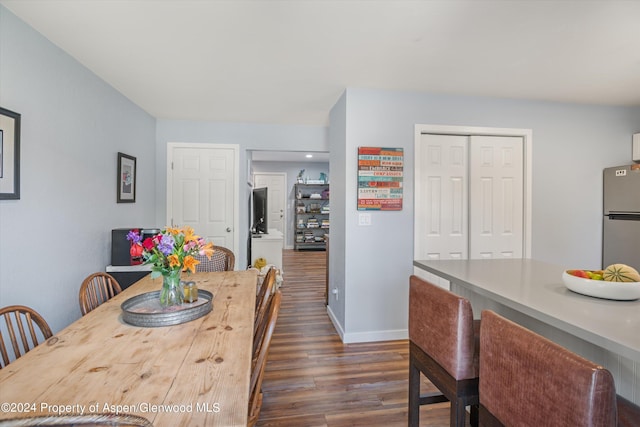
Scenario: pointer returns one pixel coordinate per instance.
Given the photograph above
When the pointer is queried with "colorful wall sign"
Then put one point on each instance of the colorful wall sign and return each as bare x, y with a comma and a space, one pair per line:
380, 173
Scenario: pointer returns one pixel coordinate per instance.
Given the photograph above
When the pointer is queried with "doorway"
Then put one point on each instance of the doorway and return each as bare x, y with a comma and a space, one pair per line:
276, 183
203, 190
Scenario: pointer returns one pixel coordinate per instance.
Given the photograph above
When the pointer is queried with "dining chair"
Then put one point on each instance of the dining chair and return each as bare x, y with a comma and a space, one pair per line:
265, 293
24, 328
96, 289
443, 345
528, 380
222, 259
259, 360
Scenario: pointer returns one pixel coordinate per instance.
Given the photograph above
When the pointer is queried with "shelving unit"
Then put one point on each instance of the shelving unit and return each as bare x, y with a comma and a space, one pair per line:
311, 216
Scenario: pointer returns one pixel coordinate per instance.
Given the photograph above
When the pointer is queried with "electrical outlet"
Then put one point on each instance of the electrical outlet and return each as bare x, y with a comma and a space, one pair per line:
621, 172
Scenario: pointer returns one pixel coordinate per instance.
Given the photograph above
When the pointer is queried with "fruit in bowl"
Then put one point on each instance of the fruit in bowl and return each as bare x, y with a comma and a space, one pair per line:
613, 273
587, 274
617, 282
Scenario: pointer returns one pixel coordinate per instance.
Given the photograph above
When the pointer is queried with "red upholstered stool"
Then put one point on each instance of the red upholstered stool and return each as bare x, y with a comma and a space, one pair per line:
527, 380
443, 347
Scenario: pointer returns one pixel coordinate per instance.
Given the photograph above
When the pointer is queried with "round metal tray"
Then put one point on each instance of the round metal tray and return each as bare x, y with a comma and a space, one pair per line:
145, 310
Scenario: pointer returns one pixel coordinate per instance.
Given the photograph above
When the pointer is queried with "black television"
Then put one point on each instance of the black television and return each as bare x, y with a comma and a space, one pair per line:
260, 209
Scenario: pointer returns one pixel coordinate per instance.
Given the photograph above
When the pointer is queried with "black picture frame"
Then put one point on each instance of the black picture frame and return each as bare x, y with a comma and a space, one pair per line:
9, 154
126, 178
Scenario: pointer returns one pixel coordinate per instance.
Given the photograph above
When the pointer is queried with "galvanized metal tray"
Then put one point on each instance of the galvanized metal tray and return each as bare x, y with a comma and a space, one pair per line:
145, 310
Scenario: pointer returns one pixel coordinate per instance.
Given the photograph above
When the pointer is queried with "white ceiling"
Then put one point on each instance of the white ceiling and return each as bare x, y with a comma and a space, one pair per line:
287, 62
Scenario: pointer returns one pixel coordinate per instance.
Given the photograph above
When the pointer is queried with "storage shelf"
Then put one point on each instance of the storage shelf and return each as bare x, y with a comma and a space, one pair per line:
309, 211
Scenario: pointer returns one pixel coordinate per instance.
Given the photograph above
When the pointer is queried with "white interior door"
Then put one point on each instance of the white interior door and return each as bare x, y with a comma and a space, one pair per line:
277, 195
441, 197
496, 197
469, 196
202, 191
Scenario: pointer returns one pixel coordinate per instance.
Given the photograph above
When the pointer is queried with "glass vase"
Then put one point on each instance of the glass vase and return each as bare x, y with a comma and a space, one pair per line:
171, 293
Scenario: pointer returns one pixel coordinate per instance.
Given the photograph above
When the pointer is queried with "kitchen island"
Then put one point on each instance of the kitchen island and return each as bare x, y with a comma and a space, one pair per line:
191, 374
532, 294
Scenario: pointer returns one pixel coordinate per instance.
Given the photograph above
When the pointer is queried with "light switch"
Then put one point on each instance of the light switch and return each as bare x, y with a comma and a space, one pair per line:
364, 219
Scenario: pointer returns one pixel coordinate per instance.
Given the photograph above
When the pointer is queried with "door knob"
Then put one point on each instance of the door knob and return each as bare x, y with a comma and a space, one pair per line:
228, 229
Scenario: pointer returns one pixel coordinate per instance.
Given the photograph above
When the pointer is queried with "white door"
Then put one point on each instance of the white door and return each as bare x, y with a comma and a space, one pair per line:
496, 197
469, 197
441, 191
277, 198
202, 191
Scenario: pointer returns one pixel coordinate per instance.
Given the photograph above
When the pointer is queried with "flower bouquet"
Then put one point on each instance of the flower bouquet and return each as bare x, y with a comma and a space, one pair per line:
170, 252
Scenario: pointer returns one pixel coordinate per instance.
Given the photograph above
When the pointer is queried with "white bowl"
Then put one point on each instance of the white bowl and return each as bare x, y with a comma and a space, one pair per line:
623, 291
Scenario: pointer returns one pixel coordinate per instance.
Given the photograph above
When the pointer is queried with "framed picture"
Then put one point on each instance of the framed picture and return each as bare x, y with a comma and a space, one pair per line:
9, 154
380, 178
126, 178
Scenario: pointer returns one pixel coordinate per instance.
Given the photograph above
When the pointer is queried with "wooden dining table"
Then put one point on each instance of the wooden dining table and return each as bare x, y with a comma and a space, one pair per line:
191, 374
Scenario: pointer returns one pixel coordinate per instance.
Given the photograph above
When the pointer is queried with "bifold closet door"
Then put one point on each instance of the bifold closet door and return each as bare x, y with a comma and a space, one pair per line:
496, 197
469, 197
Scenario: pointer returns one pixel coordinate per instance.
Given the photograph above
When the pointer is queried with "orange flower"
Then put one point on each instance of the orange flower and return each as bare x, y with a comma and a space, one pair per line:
174, 261
190, 264
189, 235
208, 250
173, 231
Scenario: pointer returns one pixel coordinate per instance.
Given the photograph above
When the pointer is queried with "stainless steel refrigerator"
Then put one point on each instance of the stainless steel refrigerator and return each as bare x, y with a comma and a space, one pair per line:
621, 226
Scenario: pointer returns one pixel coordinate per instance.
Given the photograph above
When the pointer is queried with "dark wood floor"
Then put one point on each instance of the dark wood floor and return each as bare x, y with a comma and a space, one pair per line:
313, 379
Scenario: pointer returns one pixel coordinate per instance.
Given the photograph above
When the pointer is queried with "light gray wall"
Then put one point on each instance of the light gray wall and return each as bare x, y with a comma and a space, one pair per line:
571, 145
312, 170
339, 207
73, 125
248, 137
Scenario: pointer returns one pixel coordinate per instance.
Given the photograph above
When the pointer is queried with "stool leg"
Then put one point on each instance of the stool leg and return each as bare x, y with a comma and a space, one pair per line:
458, 413
414, 394
474, 420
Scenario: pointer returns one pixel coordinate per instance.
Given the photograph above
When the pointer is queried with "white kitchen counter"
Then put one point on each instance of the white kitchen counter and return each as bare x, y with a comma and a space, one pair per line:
532, 293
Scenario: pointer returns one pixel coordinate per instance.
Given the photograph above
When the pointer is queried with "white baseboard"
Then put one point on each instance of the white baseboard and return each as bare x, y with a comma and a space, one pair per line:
373, 336
369, 336
335, 322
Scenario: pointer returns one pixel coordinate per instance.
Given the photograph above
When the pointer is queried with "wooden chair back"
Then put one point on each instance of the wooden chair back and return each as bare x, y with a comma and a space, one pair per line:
96, 289
259, 361
24, 328
526, 379
222, 259
265, 293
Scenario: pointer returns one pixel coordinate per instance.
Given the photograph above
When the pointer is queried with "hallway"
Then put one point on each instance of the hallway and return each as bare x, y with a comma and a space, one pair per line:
313, 379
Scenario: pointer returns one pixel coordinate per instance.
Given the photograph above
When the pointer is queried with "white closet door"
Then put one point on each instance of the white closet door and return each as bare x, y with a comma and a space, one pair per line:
496, 197
441, 222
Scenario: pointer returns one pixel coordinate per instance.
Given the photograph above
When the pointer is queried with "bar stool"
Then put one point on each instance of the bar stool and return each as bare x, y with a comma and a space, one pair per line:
443, 347
525, 379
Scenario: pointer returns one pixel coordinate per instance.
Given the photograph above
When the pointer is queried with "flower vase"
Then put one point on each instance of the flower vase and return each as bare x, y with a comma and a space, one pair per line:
171, 293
